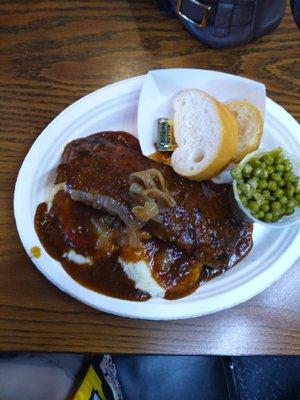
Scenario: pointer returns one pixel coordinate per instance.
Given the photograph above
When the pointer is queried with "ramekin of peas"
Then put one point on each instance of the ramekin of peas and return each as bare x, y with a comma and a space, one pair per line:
266, 186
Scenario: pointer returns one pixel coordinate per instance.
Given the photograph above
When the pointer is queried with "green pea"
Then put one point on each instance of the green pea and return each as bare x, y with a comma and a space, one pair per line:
265, 208
255, 215
263, 165
289, 210
275, 218
266, 193
280, 212
276, 177
270, 169
254, 162
291, 204
275, 206
247, 170
283, 200
253, 182
297, 187
243, 200
236, 173
257, 172
272, 185
260, 199
278, 192
262, 184
277, 214
246, 188
279, 167
277, 152
268, 159
289, 177
279, 160
297, 198
268, 217
264, 174
272, 197
288, 166
290, 191
281, 183
253, 206
260, 214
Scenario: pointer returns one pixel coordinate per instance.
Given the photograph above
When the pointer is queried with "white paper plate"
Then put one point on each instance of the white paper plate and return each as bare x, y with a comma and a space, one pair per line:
115, 108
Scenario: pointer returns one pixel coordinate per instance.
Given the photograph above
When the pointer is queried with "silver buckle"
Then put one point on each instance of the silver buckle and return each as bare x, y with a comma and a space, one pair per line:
206, 10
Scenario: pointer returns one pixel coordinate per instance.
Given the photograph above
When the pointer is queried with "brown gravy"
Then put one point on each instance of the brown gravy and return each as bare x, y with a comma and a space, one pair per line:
70, 226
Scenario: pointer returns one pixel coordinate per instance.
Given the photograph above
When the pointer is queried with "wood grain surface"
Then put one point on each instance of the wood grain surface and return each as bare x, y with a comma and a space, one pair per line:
52, 53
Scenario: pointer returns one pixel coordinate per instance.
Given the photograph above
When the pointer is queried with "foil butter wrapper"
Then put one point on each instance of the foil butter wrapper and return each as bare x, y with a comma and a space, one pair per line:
165, 135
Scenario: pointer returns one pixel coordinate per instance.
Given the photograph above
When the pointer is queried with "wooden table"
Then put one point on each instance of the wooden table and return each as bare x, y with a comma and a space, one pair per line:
52, 53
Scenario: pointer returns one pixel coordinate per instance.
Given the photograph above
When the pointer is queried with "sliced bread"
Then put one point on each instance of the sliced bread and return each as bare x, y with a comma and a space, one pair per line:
206, 134
250, 127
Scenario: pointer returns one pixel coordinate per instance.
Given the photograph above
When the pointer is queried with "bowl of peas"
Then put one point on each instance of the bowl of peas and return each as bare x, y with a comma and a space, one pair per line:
266, 186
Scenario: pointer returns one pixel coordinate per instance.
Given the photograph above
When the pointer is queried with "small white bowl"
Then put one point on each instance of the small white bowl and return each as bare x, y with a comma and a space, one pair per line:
284, 221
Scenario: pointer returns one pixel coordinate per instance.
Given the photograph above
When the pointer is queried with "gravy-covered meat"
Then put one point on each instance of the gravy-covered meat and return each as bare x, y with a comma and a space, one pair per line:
203, 219
118, 215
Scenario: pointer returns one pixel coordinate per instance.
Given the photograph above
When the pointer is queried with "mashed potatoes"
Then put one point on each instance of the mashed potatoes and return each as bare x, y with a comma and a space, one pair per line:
140, 273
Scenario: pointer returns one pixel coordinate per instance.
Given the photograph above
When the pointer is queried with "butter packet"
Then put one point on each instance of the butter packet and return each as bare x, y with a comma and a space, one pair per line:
165, 135
100, 381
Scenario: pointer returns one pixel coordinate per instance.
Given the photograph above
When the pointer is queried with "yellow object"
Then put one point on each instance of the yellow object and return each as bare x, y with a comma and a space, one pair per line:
91, 387
35, 251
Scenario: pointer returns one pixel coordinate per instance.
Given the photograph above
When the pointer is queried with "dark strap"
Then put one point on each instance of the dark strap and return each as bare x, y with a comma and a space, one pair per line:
223, 17
235, 15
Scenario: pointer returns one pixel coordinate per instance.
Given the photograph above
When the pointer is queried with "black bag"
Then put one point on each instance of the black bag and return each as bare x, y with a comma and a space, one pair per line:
228, 23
